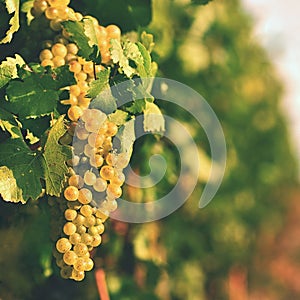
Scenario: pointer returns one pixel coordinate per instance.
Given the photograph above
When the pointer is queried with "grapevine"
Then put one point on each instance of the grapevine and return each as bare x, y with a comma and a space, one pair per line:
76, 163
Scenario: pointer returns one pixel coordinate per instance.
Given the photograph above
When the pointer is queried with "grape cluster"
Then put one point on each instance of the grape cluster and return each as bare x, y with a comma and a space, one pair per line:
96, 177
62, 51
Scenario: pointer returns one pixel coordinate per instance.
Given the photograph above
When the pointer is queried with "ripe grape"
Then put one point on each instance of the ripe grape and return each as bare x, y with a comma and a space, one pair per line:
70, 257
89, 178
63, 245
100, 185
107, 172
70, 214
71, 193
85, 196
77, 275
86, 210
75, 238
69, 228
80, 249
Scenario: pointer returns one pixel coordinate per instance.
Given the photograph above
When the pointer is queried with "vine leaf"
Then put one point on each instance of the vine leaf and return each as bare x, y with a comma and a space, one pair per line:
35, 96
54, 159
126, 137
26, 8
12, 7
153, 119
8, 186
105, 101
25, 165
98, 85
8, 69
119, 117
77, 31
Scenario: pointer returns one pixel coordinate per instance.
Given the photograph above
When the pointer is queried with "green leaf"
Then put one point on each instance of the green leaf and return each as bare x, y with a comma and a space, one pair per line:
147, 41
87, 47
126, 137
63, 77
25, 165
121, 53
12, 7
36, 126
26, 8
144, 67
55, 157
137, 106
8, 69
119, 117
153, 119
35, 96
9, 190
105, 102
98, 85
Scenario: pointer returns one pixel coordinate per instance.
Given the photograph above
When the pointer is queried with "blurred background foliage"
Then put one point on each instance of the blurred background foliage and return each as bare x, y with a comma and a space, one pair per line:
192, 254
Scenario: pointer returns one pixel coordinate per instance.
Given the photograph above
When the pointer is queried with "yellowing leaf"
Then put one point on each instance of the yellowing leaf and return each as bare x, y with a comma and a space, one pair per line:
8, 69
153, 119
12, 6
8, 186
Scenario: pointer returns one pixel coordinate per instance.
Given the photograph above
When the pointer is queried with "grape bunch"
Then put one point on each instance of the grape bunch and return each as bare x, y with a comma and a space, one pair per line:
62, 51
96, 169
96, 177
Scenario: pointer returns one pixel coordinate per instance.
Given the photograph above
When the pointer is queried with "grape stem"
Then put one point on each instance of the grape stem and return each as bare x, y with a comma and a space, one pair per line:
101, 284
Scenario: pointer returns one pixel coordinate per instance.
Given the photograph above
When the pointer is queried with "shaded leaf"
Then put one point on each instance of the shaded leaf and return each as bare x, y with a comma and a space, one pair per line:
26, 165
